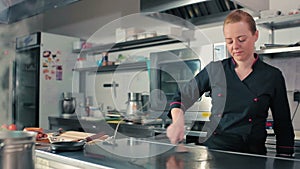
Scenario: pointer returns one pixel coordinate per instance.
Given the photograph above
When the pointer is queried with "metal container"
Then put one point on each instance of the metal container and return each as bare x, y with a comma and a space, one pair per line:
17, 150
68, 104
134, 106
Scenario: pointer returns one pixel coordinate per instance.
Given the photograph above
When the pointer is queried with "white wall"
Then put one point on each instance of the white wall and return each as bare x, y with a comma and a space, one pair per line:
284, 6
255, 5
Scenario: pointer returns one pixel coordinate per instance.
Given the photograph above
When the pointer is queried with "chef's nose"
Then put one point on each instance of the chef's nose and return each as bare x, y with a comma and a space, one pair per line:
236, 44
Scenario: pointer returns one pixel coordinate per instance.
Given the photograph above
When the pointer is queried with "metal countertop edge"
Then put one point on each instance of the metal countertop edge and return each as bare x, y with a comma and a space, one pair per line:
68, 160
256, 155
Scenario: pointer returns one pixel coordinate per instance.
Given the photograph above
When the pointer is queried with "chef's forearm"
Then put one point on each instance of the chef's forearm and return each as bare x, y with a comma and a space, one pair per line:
177, 114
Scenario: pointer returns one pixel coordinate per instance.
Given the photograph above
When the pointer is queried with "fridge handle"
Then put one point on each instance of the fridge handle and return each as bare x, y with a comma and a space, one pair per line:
14, 97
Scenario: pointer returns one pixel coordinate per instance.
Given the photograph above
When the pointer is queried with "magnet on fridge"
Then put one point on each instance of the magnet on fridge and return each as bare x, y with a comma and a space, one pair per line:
45, 71
45, 64
46, 53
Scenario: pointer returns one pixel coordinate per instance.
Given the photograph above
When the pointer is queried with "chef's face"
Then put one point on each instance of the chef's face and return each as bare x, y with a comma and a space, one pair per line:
240, 40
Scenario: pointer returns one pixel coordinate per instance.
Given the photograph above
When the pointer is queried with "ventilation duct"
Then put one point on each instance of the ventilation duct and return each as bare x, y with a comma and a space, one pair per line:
16, 10
198, 12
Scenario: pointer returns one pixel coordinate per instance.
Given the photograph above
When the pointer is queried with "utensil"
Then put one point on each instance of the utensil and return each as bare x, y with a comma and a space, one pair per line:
73, 145
68, 104
180, 147
17, 149
67, 145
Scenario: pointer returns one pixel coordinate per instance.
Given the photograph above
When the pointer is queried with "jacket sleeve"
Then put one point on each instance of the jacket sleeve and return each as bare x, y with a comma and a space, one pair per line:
190, 92
283, 127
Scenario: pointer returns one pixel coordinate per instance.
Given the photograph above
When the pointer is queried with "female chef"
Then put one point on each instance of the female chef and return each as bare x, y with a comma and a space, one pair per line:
249, 89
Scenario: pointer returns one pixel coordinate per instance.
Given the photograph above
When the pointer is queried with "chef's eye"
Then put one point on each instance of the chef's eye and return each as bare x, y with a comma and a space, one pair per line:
229, 41
242, 39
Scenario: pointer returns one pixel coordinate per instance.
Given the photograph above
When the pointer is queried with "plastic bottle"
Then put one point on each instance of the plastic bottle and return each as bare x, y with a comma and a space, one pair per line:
59, 72
105, 59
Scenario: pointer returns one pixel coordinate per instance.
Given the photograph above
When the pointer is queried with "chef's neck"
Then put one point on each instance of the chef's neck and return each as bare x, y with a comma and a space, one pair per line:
245, 63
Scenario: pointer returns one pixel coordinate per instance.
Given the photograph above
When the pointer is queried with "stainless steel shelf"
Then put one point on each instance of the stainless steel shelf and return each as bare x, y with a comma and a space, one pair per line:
129, 45
280, 50
123, 66
280, 22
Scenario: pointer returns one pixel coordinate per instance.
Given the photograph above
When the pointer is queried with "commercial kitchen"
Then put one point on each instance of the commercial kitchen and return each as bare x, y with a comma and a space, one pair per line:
88, 83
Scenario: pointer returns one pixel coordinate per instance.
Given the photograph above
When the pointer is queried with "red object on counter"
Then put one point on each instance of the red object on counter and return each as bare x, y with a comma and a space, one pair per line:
12, 127
40, 133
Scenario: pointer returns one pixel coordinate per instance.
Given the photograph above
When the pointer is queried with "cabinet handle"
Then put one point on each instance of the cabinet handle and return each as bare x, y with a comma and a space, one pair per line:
111, 85
114, 85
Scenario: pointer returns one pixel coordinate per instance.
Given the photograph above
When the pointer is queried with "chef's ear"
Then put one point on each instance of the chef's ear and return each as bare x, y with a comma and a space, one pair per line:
256, 35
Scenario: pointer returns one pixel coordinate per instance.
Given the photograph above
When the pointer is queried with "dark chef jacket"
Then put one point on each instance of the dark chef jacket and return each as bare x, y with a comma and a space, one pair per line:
240, 107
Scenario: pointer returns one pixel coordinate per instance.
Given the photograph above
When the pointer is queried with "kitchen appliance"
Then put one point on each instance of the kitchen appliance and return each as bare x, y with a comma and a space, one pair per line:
134, 106
17, 149
42, 71
68, 104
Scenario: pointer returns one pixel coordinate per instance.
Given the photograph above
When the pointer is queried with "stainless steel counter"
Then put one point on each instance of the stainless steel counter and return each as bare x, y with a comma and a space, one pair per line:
197, 157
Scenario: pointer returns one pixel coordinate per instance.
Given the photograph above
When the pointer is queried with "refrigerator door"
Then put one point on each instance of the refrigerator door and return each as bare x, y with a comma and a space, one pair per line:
26, 75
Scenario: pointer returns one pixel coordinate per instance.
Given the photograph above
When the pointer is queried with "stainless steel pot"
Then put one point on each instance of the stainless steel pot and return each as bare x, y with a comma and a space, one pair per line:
134, 106
68, 104
17, 149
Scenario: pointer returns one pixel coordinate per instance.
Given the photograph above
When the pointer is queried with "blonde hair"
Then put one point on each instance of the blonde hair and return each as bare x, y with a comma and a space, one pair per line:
238, 16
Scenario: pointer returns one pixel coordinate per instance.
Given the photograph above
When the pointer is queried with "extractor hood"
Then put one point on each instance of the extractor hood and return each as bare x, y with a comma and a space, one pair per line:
197, 12
16, 10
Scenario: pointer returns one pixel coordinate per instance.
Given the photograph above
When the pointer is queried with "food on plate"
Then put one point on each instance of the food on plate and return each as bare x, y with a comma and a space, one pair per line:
40, 136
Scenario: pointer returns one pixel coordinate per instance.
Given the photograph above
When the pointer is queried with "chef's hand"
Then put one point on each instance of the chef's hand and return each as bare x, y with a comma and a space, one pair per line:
174, 163
175, 131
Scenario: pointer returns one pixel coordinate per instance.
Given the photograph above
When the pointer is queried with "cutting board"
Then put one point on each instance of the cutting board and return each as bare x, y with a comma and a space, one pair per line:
71, 135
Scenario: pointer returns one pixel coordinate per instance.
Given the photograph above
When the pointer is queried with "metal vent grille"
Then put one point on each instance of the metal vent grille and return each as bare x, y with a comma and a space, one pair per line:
199, 13
202, 9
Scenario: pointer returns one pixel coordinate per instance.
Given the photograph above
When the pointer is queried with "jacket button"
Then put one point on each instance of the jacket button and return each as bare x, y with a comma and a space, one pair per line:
255, 99
215, 133
250, 120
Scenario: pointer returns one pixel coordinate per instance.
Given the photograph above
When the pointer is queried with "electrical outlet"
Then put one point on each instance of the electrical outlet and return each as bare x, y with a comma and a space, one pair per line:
297, 96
